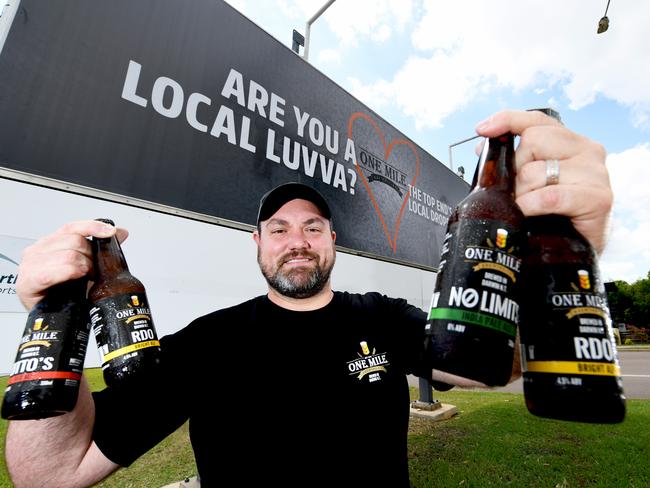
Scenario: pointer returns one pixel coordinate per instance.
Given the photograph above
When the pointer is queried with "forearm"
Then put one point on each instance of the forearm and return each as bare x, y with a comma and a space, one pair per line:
450, 379
57, 451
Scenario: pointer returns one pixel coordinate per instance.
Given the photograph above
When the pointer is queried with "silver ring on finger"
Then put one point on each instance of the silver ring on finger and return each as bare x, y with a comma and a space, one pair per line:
552, 172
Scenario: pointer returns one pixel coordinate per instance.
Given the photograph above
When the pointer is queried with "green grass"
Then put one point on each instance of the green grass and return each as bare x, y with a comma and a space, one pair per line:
494, 442
172, 460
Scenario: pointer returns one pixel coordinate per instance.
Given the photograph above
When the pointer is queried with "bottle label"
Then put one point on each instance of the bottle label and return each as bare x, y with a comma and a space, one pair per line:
47, 352
567, 327
478, 280
122, 326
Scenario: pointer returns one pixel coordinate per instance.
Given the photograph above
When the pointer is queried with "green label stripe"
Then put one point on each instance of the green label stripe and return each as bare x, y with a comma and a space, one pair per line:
473, 318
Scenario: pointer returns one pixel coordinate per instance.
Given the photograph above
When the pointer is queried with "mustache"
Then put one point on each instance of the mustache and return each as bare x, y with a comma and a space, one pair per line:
298, 254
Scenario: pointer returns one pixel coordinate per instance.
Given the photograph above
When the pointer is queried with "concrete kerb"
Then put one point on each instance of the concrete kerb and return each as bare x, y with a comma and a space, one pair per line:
444, 412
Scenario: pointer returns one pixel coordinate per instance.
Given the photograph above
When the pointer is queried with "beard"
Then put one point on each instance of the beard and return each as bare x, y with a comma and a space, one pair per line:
300, 282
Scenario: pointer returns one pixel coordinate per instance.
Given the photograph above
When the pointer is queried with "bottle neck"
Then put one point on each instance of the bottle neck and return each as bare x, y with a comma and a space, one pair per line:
108, 258
552, 224
62, 294
497, 165
73, 289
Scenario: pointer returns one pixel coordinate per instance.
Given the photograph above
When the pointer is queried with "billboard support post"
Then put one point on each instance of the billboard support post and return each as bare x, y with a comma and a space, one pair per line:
308, 26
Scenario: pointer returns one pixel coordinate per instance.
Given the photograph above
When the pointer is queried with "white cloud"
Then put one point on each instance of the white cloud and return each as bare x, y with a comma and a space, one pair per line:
641, 116
373, 19
627, 256
331, 56
355, 20
350, 21
238, 4
472, 47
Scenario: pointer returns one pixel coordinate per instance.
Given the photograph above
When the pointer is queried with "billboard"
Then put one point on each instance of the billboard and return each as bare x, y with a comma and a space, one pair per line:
11, 249
191, 105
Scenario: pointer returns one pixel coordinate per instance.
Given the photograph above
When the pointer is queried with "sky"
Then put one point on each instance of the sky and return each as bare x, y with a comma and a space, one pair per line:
434, 69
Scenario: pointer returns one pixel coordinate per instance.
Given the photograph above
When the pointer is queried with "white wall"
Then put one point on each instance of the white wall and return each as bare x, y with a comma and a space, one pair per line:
8, 9
189, 268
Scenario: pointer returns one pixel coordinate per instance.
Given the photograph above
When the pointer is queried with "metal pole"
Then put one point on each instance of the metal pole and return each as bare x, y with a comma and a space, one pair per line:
308, 26
426, 392
451, 163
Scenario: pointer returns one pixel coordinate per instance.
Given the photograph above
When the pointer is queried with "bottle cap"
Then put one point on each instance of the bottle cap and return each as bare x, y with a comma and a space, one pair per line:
106, 221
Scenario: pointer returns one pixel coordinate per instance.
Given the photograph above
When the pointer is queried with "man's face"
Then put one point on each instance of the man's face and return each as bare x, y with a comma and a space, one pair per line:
295, 249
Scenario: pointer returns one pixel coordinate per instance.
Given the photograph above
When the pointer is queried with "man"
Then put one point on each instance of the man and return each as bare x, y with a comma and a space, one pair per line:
329, 402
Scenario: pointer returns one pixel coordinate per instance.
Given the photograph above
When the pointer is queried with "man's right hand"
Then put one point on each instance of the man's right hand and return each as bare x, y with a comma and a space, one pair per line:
61, 256
73, 458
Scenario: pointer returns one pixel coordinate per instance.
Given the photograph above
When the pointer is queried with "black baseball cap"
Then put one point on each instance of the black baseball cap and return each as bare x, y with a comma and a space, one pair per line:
278, 196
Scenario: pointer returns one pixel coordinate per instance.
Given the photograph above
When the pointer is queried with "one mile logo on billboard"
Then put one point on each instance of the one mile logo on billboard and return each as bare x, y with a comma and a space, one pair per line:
376, 169
389, 171
394, 177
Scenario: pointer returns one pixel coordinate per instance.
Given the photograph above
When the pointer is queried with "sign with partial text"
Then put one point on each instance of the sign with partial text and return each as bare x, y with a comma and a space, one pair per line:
191, 105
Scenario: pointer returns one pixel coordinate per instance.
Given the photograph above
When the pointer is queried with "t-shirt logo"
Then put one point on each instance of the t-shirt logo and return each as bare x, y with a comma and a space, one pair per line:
368, 364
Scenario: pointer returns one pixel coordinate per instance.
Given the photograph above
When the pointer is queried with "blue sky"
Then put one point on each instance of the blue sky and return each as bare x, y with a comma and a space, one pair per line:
434, 69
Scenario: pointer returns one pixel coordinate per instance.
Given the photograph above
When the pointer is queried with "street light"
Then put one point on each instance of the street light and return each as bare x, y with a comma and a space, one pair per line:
451, 163
308, 26
603, 24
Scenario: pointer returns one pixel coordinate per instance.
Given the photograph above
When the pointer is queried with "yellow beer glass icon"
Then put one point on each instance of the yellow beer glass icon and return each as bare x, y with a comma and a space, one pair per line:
502, 237
583, 276
38, 323
134, 300
364, 348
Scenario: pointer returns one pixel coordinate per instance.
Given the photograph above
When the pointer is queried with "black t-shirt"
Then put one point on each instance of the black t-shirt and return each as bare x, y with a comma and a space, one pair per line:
280, 398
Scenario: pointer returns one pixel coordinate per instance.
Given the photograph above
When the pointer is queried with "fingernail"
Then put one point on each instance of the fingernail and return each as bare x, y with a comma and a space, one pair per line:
483, 125
108, 229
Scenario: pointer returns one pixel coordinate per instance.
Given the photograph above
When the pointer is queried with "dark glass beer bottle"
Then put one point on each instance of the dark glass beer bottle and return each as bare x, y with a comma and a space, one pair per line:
472, 322
120, 315
569, 358
45, 378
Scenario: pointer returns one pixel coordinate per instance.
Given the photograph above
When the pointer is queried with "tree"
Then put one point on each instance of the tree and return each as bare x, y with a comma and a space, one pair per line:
640, 291
619, 300
630, 304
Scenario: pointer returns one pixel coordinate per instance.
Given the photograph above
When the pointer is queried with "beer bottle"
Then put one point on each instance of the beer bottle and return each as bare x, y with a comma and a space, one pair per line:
569, 360
120, 315
45, 378
472, 322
